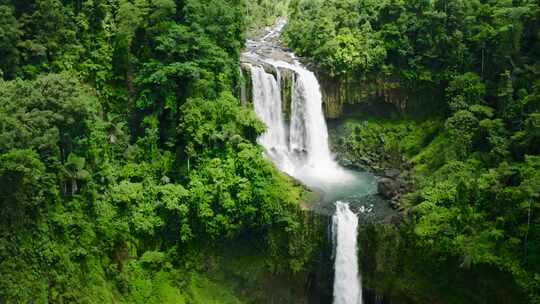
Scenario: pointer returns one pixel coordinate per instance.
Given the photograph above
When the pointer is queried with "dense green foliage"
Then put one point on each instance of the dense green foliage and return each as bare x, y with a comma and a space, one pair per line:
445, 250
477, 198
127, 165
123, 150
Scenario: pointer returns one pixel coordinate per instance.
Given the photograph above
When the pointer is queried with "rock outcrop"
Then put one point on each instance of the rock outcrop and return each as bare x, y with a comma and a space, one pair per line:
338, 92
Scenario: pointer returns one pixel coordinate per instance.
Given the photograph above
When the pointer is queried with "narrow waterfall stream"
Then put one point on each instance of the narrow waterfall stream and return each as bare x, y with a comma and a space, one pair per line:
300, 148
347, 283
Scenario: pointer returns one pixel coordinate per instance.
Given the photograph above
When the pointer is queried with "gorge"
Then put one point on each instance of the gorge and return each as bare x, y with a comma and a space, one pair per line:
270, 151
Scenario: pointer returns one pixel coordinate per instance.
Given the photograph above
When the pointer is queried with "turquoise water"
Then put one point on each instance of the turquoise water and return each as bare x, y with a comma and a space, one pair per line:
356, 187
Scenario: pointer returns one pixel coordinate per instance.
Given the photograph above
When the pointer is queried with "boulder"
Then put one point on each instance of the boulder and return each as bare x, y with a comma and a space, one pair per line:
397, 219
392, 173
388, 187
394, 204
345, 162
365, 160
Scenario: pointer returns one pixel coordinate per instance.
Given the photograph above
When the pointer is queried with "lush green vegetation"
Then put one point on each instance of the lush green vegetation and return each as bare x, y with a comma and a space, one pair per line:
123, 152
477, 198
379, 144
395, 264
128, 167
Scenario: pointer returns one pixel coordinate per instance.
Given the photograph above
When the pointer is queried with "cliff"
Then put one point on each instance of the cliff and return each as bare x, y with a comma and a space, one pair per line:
341, 96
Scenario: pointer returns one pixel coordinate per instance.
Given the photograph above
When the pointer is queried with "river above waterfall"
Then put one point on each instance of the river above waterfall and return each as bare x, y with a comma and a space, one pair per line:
299, 145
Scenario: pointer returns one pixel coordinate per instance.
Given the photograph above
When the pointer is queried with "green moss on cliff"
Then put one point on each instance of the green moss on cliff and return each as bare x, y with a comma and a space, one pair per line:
377, 145
287, 79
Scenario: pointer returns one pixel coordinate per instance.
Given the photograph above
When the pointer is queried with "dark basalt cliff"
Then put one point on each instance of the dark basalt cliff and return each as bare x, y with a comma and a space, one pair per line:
338, 93
374, 96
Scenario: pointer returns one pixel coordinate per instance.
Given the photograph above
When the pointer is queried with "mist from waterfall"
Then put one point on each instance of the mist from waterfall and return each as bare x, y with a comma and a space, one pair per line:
347, 281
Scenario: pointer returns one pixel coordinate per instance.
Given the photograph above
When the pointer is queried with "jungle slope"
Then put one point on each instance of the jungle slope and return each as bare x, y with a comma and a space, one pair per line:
451, 93
127, 164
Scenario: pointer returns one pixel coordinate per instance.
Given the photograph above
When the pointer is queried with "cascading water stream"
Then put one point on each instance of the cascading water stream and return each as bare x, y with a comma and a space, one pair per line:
347, 282
267, 106
303, 151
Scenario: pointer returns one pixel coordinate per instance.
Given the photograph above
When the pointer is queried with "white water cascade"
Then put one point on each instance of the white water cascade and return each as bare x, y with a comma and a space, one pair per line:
301, 148
347, 281
267, 106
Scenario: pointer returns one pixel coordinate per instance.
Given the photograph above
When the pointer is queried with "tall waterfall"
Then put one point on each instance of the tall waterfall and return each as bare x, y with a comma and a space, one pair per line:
347, 282
308, 127
301, 147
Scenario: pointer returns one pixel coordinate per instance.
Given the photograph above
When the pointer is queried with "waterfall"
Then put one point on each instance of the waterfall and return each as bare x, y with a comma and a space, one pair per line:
311, 134
301, 148
347, 281
267, 106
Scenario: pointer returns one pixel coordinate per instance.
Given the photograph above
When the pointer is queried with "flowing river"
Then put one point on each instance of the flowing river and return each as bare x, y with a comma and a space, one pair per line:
299, 147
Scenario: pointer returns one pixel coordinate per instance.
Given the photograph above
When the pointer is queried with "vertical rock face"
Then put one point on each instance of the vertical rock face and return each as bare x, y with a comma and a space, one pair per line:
338, 92
245, 85
286, 93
